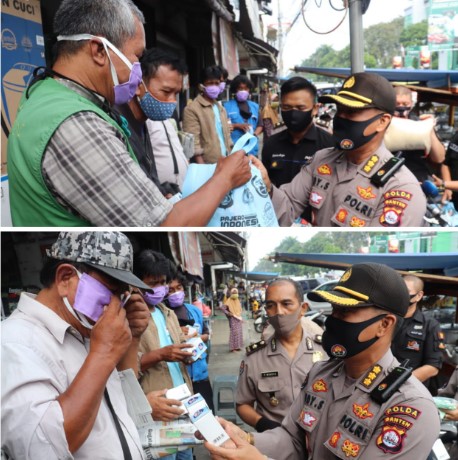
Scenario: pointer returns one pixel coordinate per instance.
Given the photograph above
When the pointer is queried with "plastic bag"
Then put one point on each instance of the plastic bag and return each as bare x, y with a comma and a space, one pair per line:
245, 206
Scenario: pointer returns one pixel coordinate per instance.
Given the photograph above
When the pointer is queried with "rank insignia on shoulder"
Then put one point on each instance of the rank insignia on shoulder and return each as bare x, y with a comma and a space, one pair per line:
250, 349
368, 380
309, 343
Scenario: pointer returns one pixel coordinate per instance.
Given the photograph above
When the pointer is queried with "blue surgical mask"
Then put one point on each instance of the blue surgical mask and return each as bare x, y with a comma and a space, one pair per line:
155, 109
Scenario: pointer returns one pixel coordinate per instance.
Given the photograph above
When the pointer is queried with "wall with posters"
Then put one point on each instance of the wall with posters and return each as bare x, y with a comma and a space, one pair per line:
22, 51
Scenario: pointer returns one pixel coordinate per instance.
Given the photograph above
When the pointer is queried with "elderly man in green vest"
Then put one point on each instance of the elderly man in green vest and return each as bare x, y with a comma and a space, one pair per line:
69, 158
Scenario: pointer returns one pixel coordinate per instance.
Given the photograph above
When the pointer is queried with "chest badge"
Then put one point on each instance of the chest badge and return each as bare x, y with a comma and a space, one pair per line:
273, 401
357, 222
320, 386
334, 439
366, 193
413, 345
315, 198
307, 418
324, 170
317, 356
362, 411
350, 449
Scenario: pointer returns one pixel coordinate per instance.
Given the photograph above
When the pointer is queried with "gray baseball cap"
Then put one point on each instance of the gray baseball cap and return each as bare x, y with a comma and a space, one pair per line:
109, 252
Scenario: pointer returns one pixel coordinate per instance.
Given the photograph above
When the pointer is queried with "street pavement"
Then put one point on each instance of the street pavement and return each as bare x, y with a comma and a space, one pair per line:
222, 361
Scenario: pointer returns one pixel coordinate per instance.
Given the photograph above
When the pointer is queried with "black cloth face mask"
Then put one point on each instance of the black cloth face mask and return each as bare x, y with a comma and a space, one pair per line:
340, 338
348, 134
297, 120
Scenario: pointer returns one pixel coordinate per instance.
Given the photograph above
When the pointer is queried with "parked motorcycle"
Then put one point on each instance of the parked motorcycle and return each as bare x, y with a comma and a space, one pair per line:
262, 320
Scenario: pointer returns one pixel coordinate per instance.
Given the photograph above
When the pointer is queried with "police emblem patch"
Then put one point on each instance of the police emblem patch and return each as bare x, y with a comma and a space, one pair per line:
307, 418
319, 386
391, 439
324, 170
338, 351
350, 449
362, 411
334, 439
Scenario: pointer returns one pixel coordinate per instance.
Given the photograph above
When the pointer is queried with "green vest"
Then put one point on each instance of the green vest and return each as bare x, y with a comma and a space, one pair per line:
49, 104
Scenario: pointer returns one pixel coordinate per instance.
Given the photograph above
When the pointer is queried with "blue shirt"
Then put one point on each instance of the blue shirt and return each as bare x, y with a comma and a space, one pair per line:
164, 341
219, 129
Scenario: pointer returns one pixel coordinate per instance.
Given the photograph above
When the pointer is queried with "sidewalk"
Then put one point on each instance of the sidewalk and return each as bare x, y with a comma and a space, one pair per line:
223, 362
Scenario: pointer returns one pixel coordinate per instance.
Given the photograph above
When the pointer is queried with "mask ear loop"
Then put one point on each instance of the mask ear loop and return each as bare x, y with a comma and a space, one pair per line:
106, 44
78, 316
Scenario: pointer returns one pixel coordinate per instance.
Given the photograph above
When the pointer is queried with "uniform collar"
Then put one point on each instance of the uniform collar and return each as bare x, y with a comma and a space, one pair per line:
274, 346
417, 316
43, 314
310, 135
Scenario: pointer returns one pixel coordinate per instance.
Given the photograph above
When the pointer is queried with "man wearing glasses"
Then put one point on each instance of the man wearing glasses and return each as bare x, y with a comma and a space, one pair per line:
419, 339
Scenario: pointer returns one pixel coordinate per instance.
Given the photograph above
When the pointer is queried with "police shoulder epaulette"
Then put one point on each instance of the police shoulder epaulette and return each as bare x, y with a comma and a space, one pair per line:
254, 347
318, 338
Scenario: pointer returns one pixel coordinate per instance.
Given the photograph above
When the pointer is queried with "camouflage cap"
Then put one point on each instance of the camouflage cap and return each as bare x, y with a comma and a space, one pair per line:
109, 252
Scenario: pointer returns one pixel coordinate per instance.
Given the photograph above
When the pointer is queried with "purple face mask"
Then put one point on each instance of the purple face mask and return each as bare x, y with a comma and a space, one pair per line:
124, 92
212, 91
222, 87
242, 95
176, 299
91, 297
153, 298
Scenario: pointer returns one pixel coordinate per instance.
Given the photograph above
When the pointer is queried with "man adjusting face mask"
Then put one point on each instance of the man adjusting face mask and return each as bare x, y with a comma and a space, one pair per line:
123, 92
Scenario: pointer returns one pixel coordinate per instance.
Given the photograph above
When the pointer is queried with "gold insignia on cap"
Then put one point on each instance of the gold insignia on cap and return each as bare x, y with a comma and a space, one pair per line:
346, 276
349, 83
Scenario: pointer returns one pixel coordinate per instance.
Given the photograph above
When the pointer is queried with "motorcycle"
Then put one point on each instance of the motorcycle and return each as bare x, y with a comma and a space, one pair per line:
262, 320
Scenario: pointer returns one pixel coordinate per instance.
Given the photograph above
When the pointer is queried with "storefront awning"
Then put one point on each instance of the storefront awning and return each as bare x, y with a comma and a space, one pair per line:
256, 276
230, 247
439, 271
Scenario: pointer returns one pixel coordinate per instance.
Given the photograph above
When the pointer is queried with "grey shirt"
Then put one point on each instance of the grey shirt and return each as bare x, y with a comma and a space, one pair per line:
335, 417
341, 194
272, 380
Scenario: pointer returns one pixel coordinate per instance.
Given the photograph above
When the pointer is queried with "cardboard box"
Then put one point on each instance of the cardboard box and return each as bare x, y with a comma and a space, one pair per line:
198, 348
202, 418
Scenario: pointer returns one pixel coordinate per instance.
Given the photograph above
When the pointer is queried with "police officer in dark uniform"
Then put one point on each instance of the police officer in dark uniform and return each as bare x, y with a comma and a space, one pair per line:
419, 339
286, 152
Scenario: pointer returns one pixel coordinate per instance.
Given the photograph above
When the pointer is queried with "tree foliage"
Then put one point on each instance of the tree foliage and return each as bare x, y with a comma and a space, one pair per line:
381, 43
415, 34
322, 243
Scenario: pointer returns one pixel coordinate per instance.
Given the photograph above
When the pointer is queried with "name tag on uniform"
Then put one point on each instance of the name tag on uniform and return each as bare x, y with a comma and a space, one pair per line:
265, 375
